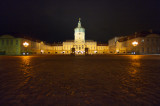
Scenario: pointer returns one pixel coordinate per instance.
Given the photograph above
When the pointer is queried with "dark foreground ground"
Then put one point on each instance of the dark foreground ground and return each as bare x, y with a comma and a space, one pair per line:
80, 80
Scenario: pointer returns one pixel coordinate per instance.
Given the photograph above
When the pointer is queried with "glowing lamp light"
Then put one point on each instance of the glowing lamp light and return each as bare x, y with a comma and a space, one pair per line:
42, 51
25, 44
95, 51
135, 43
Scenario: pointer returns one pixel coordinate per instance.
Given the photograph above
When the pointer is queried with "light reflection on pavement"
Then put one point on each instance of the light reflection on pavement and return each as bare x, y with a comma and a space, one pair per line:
80, 80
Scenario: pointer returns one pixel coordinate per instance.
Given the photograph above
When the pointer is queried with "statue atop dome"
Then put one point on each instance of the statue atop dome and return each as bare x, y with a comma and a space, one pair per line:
79, 23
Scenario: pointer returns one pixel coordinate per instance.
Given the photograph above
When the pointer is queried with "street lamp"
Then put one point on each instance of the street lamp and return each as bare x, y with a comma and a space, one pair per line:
134, 43
25, 44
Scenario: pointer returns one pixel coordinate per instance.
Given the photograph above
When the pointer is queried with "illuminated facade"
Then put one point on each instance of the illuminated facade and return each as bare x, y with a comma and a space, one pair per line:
148, 43
139, 43
112, 44
10, 45
80, 46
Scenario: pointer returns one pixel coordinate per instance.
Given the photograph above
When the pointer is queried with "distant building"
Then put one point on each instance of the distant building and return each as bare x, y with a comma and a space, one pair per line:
10, 45
102, 48
147, 43
112, 44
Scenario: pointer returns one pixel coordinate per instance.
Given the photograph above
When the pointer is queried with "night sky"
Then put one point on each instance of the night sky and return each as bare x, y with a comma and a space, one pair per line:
55, 20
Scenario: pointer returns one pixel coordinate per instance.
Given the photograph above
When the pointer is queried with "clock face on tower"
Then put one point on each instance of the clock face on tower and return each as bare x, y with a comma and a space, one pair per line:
79, 37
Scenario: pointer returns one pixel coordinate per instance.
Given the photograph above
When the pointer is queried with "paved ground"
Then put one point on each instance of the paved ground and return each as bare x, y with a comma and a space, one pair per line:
80, 80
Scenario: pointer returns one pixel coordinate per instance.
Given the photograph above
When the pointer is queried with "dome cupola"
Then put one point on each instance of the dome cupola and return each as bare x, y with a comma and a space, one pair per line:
79, 28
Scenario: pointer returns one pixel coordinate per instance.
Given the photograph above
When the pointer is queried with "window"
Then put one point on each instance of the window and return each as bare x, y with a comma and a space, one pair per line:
2, 42
158, 50
152, 49
142, 50
16, 42
156, 41
7, 42
11, 42
147, 50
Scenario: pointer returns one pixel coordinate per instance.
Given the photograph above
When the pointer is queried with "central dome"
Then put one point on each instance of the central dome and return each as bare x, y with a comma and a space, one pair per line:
79, 28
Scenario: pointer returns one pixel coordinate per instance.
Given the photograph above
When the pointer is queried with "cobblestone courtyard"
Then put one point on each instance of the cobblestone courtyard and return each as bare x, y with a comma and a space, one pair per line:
80, 80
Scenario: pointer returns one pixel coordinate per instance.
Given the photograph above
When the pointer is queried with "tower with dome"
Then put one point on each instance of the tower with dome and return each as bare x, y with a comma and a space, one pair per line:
81, 46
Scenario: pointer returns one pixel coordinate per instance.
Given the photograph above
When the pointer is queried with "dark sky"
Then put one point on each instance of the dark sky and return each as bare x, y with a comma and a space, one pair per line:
55, 20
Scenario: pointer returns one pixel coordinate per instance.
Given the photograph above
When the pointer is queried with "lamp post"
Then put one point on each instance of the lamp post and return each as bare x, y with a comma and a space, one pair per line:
134, 43
25, 44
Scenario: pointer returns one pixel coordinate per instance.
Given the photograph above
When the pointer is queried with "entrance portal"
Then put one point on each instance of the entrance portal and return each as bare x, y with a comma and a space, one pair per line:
80, 52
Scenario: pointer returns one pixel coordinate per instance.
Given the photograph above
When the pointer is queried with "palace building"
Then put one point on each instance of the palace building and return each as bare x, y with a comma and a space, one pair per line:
80, 46
13, 45
138, 43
